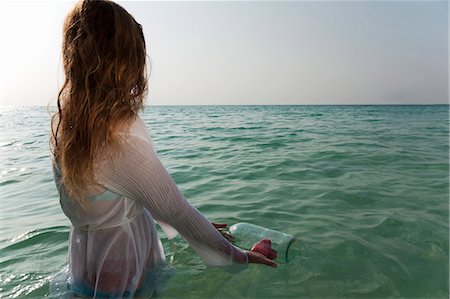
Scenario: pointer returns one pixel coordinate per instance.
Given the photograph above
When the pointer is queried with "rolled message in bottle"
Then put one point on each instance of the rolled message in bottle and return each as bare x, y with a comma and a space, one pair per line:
247, 234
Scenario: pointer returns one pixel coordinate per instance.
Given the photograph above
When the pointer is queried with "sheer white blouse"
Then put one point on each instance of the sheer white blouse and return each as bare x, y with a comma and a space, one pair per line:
114, 248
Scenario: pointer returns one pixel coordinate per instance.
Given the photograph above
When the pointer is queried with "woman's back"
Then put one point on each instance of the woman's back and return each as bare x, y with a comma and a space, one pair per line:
113, 242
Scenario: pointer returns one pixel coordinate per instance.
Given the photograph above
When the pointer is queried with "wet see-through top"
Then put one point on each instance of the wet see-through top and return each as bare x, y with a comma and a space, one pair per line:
114, 248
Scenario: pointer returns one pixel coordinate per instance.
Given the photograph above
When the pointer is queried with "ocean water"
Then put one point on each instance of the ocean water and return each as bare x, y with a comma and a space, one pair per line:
364, 188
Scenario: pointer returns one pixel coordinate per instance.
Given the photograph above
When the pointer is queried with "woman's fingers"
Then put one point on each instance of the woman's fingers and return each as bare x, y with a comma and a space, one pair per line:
258, 258
227, 236
219, 225
268, 262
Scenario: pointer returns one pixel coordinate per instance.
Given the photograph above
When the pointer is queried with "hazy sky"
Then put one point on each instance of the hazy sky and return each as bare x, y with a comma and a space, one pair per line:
251, 52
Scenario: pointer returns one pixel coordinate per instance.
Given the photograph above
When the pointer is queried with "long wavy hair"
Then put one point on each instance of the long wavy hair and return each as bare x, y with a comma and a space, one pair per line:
104, 57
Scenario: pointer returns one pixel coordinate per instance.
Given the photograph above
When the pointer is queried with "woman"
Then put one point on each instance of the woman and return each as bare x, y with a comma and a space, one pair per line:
112, 185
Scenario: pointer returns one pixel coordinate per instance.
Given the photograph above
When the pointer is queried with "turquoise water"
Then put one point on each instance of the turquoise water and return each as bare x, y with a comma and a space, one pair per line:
364, 188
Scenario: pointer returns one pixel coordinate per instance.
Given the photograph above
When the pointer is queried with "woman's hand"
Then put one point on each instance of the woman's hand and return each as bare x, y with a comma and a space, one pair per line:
258, 258
253, 256
220, 227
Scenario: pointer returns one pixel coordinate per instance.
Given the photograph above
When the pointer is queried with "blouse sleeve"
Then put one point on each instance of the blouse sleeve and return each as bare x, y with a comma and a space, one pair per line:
139, 174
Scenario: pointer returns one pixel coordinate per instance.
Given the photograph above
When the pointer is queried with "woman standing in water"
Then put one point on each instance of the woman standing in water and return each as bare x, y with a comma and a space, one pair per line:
112, 185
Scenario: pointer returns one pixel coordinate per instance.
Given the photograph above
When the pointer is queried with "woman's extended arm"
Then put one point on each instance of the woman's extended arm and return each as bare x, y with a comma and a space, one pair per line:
138, 174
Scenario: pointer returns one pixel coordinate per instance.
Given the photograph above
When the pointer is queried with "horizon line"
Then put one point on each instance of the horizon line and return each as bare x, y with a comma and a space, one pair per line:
352, 104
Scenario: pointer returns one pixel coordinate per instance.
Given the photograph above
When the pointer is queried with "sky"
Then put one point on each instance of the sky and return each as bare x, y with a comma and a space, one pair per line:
296, 52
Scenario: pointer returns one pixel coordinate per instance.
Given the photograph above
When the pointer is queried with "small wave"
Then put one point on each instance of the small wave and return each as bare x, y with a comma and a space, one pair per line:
8, 182
49, 235
215, 129
5, 144
272, 145
249, 128
374, 120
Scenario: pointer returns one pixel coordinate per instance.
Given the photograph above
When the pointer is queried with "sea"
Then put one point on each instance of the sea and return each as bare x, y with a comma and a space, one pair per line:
363, 188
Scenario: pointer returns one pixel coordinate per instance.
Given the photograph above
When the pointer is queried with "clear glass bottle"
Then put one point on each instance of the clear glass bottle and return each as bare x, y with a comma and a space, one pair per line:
247, 234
